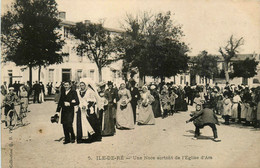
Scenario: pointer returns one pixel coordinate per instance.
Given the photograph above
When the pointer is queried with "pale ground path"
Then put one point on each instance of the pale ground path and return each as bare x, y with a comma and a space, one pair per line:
34, 145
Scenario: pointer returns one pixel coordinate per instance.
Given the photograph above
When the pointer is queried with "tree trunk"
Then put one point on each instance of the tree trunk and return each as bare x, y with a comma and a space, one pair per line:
39, 74
162, 78
141, 79
30, 74
100, 74
226, 71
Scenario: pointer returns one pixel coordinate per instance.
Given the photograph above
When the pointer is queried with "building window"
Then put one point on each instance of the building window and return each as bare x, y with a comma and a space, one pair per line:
67, 52
91, 74
51, 75
79, 74
66, 32
10, 75
181, 80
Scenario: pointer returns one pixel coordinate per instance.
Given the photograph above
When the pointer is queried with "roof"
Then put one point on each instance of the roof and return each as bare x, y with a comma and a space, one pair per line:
67, 23
114, 30
71, 23
239, 57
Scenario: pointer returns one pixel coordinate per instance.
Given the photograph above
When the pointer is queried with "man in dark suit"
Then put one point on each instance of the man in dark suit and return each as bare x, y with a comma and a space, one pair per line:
37, 91
188, 93
135, 97
67, 101
205, 117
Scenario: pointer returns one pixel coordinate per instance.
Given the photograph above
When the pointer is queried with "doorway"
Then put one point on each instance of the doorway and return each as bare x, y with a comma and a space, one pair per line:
66, 75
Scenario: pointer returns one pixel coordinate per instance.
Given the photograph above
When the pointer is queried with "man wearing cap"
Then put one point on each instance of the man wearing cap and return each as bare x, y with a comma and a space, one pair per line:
9, 100
135, 97
205, 117
67, 101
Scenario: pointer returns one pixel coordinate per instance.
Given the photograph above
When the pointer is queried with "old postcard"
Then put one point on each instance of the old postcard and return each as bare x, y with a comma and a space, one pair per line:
130, 84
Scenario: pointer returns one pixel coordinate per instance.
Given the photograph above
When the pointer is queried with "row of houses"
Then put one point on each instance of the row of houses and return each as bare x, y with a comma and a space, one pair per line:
75, 67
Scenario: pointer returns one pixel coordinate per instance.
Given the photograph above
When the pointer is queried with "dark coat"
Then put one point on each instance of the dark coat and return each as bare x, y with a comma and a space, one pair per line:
37, 88
67, 113
135, 95
205, 116
111, 95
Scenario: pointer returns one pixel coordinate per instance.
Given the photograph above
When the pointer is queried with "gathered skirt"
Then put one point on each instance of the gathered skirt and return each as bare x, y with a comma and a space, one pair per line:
108, 122
146, 115
124, 117
156, 107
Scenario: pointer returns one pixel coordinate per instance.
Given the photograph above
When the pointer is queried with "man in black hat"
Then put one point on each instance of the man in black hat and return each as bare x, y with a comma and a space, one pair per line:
135, 97
205, 117
67, 101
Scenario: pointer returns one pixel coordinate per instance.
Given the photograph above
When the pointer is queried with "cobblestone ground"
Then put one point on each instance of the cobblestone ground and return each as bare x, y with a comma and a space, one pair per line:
167, 144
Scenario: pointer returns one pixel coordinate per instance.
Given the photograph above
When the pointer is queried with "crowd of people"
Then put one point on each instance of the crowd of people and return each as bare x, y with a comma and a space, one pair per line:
102, 108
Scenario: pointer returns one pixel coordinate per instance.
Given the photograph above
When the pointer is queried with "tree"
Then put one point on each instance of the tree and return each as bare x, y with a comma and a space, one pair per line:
205, 65
151, 43
96, 43
29, 34
246, 68
167, 54
132, 44
230, 51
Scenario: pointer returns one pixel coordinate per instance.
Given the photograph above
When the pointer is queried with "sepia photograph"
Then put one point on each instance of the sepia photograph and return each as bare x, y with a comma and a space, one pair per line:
130, 84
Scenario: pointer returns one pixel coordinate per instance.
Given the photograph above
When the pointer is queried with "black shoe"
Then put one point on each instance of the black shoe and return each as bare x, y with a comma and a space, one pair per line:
79, 141
66, 142
72, 141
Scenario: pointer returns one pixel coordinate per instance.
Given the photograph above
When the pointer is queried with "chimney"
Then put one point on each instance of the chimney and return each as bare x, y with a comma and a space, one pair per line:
62, 15
87, 22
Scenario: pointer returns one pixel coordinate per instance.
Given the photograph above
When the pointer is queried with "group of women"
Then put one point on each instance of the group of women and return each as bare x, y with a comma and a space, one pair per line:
237, 104
241, 105
100, 111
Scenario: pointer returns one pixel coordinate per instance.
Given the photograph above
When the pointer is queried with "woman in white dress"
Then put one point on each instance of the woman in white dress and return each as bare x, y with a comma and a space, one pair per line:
227, 104
41, 96
124, 114
88, 123
236, 107
144, 109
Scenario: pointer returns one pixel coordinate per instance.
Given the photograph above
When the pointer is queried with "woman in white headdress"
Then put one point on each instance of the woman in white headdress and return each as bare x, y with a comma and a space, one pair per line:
145, 111
88, 123
124, 114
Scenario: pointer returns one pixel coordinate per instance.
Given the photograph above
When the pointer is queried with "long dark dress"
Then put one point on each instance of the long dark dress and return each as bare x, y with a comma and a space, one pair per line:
156, 106
181, 104
108, 114
95, 124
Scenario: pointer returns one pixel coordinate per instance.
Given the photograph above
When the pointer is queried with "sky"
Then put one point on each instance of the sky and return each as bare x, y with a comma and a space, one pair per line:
207, 24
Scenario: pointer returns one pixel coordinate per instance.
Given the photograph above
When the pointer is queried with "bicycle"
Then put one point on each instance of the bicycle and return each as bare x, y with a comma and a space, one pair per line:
14, 115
